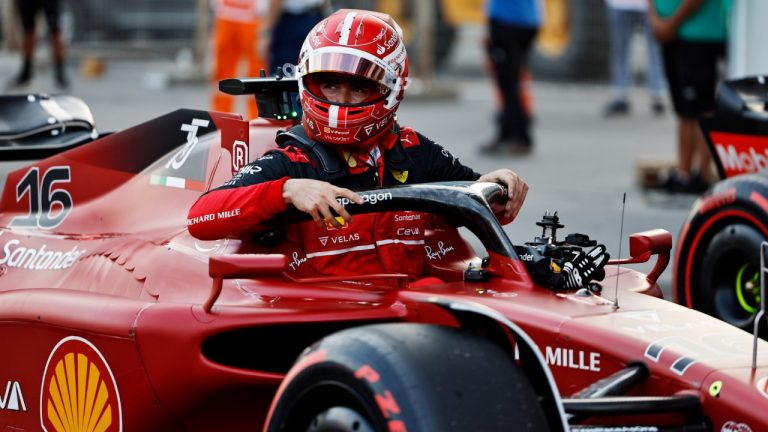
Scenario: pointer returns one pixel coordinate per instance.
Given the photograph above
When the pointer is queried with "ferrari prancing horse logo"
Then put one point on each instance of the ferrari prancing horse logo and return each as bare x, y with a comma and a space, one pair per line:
78, 392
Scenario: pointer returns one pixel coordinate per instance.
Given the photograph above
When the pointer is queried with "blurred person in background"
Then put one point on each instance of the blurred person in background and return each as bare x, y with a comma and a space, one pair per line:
512, 27
235, 34
692, 34
28, 11
284, 27
624, 16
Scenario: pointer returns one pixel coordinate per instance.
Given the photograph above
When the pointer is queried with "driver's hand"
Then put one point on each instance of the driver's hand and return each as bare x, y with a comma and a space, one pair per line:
318, 199
516, 188
663, 29
585, 268
262, 45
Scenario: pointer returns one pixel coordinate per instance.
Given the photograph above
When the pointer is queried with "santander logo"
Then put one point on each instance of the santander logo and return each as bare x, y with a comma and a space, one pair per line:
741, 154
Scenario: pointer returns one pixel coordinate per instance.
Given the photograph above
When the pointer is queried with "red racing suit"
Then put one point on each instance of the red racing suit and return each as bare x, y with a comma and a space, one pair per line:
391, 242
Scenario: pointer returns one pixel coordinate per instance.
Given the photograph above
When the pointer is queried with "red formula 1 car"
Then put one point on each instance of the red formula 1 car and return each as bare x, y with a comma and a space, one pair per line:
112, 317
717, 265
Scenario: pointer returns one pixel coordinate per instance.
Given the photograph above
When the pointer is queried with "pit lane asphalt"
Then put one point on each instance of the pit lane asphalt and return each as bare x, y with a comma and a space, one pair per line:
580, 167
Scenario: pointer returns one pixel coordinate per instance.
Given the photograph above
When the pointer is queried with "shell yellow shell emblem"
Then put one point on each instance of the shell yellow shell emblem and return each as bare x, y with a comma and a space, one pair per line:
79, 393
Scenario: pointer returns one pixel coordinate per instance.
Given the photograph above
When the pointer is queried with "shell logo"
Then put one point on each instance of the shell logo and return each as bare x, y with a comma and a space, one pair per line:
79, 393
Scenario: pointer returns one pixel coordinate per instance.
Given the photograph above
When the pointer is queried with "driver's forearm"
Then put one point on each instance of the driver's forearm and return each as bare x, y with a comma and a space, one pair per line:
230, 211
685, 10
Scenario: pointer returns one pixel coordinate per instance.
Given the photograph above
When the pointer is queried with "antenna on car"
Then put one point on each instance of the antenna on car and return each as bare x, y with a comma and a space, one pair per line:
761, 313
618, 265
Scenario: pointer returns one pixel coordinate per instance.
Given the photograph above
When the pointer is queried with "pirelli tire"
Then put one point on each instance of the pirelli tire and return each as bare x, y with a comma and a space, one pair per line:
397, 377
717, 259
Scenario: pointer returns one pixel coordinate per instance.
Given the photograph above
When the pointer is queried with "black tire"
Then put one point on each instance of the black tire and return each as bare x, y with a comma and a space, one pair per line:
718, 253
421, 377
583, 53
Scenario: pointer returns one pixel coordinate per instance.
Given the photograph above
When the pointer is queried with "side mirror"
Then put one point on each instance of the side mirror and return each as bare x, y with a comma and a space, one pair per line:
645, 244
657, 241
241, 266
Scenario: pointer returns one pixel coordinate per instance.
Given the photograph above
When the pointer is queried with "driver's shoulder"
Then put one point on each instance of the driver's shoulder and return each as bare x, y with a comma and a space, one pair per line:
292, 153
410, 138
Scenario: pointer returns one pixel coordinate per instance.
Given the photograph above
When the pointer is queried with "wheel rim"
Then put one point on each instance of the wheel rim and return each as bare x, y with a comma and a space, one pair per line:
330, 406
339, 419
747, 288
732, 289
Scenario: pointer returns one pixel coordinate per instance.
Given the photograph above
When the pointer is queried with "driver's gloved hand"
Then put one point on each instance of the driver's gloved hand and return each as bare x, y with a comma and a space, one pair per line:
585, 268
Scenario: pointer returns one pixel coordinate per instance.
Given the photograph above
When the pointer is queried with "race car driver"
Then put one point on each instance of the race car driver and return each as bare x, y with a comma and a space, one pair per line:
352, 72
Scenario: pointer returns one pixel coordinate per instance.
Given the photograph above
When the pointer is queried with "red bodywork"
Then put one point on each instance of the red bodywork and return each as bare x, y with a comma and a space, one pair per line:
108, 311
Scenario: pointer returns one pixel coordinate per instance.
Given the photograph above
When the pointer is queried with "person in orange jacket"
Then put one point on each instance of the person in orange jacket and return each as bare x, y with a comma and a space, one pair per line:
235, 30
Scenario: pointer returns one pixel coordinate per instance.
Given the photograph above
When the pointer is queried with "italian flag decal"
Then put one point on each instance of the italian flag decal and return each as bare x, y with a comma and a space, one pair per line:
176, 182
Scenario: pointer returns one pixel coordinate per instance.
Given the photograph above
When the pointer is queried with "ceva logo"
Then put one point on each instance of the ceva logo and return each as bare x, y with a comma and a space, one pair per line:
740, 154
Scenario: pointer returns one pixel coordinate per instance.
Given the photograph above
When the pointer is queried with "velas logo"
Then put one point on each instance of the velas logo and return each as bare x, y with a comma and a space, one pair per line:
740, 154
79, 391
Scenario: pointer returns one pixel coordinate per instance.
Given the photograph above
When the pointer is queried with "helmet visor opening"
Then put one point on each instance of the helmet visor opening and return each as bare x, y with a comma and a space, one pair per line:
344, 89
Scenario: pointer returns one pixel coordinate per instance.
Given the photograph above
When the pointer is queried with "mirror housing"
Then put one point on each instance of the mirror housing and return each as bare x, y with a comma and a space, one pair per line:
241, 266
645, 244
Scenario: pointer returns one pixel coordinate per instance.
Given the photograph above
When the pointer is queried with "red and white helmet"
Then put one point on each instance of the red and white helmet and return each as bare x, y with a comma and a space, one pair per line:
362, 45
